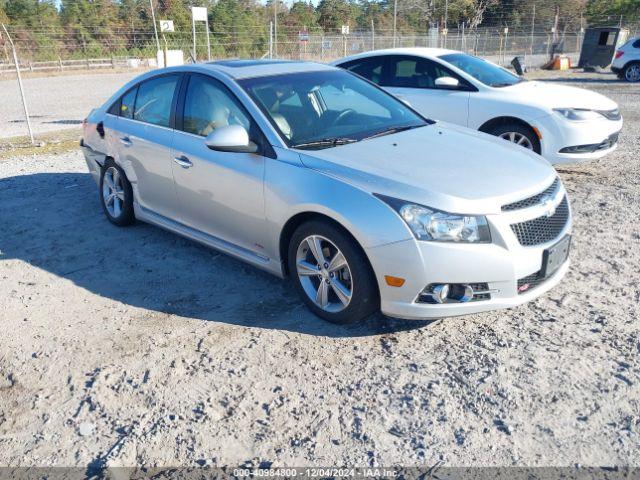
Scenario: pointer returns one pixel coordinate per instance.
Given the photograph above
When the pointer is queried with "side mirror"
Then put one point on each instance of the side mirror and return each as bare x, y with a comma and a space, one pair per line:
230, 138
447, 82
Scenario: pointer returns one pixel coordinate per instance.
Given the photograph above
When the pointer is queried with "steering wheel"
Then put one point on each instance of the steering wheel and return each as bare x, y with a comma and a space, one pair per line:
343, 114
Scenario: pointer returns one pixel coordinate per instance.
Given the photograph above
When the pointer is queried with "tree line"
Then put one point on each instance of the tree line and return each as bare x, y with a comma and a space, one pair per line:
85, 28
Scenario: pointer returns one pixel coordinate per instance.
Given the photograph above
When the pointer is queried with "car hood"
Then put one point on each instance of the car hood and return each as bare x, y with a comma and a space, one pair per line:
441, 166
551, 95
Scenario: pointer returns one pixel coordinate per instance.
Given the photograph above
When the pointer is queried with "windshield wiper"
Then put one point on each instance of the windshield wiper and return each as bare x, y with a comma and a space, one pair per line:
391, 130
325, 143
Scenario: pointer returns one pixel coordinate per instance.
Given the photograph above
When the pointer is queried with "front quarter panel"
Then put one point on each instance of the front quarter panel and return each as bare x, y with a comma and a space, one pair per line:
291, 189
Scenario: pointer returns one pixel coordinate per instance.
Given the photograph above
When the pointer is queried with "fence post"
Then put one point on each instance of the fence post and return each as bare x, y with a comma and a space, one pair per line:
60, 62
373, 36
270, 39
24, 100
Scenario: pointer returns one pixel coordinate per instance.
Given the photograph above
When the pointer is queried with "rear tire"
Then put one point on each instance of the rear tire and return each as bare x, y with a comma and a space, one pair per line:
632, 72
116, 194
338, 295
518, 134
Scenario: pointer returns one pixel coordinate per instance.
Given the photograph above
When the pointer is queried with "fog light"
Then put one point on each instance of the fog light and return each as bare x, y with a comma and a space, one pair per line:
440, 292
461, 292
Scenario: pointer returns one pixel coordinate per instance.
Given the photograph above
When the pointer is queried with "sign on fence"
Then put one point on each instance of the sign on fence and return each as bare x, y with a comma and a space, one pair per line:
199, 14
303, 36
166, 26
345, 29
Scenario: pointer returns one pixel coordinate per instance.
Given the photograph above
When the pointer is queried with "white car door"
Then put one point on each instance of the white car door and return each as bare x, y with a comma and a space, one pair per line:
414, 78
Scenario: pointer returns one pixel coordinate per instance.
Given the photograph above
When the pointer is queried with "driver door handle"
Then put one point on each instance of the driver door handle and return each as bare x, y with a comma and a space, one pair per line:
183, 161
126, 141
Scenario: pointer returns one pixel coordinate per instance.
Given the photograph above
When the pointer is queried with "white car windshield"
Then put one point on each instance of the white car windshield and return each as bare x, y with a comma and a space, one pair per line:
483, 71
313, 110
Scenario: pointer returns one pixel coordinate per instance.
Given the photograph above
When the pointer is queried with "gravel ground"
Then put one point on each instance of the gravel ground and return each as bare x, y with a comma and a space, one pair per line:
55, 102
136, 347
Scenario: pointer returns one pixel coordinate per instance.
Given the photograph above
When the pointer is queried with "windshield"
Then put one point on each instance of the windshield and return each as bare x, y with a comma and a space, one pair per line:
481, 70
324, 109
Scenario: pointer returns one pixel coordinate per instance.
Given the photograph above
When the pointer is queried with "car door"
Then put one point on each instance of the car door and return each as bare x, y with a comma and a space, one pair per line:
220, 193
414, 79
144, 136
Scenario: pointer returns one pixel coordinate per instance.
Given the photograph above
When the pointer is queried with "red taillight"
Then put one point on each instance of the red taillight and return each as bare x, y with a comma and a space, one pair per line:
619, 53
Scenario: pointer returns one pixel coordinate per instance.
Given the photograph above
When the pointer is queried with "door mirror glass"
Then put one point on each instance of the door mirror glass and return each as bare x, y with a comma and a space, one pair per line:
230, 138
447, 82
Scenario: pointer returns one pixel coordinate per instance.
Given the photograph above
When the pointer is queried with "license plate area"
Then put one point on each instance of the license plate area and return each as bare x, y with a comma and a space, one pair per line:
554, 256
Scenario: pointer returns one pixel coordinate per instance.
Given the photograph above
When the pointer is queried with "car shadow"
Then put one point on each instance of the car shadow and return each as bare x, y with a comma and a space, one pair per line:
54, 222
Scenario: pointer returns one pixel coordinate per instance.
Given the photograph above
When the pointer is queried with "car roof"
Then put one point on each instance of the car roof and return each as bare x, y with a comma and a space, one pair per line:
426, 52
239, 69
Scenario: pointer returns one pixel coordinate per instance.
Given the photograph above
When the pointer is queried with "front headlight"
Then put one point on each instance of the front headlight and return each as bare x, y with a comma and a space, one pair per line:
434, 225
577, 114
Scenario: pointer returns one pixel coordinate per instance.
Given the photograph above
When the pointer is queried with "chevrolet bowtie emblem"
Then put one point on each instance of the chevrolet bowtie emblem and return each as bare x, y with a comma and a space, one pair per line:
547, 203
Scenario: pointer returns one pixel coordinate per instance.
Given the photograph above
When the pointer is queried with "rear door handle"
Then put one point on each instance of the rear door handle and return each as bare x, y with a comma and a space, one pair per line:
126, 141
183, 161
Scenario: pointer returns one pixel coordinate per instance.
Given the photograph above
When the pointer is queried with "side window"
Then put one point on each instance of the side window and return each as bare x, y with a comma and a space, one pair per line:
153, 103
209, 105
413, 72
126, 105
369, 68
636, 44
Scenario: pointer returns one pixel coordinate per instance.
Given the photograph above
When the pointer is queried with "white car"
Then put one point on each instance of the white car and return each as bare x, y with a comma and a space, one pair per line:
626, 62
563, 124
308, 171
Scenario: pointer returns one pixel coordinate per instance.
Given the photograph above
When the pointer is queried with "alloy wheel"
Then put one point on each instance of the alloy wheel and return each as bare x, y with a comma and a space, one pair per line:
324, 273
113, 192
632, 73
517, 138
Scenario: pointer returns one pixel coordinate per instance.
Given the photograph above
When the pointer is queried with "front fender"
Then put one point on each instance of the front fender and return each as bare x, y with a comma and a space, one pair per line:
291, 189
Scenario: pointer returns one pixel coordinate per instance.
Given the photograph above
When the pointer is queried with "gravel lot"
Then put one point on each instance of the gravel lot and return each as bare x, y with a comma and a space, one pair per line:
55, 102
134, 346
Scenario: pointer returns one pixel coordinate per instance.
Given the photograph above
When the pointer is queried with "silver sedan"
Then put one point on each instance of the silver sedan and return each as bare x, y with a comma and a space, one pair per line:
310, 172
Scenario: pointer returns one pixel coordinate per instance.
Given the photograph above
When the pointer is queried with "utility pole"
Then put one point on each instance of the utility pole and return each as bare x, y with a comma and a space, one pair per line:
275, 28
270, 39
24, 100
155, 27
395, 19
533, 27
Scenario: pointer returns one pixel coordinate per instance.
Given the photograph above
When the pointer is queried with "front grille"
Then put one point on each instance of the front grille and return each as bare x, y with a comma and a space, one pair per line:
611, 114
531, 201
542, 229
530, 282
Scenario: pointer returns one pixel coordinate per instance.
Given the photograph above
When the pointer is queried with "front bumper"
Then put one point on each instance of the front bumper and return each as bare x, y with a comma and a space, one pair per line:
559, 136
499, 264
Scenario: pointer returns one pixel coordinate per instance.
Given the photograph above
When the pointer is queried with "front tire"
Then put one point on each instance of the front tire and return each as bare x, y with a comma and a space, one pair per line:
518, 134
116, 195
632, 72
331, 273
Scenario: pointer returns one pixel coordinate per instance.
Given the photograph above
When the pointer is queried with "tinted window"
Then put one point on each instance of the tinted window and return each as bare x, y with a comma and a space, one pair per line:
153, 103
636, 44
369, 68
414, 72
126, 106
209, 105
481, 70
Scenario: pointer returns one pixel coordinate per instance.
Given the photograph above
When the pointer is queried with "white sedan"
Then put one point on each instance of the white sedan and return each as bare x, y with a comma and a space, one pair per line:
563, 124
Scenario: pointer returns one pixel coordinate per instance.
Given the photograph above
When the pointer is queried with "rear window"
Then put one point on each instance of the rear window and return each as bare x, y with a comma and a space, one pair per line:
126, 105
153, 102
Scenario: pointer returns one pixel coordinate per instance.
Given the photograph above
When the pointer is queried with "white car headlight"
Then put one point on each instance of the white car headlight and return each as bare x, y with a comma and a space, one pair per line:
577, 114
434, 225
